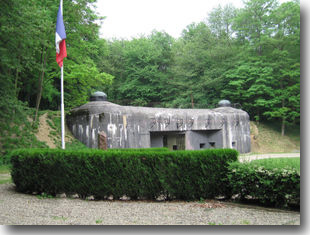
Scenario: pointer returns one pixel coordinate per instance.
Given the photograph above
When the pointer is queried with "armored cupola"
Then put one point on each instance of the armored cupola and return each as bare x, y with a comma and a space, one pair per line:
98, 96
224, 103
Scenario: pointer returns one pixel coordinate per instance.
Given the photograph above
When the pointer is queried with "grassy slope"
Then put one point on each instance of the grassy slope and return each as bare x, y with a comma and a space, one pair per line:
266, 138
21, 132
54, 121
18, 132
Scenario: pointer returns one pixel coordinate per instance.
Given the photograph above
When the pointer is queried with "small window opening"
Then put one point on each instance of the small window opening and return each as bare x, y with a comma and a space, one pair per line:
233, 144
212, 144
202, 145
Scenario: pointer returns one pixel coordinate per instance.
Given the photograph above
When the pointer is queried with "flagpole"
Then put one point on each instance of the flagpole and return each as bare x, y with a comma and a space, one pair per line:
61, 53
62, 109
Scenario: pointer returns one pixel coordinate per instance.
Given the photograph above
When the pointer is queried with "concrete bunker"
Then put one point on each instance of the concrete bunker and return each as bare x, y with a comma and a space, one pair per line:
144, 127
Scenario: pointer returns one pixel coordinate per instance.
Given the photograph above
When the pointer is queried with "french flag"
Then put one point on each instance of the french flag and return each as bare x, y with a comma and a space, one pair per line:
61, 51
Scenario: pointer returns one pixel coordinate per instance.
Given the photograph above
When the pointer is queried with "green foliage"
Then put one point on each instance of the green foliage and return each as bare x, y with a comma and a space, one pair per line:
269, 186
5, 181
75, 145
5, 176
5, 169
141, 68
44, 196
184, 175
31, 55
278, 163
81, 79
17, 132
249, 83
266, 76
250, 56
99, 221
54, 121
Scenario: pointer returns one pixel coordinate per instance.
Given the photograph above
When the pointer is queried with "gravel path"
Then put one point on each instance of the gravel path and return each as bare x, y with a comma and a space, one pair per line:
23, 209
251, 157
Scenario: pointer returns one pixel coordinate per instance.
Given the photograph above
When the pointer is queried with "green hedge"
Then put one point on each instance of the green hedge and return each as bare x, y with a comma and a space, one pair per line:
186, 175
277, 187
6, 159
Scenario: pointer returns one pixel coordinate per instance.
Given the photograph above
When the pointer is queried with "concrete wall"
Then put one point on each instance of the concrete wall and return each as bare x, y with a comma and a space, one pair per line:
203, 139
140, 127
236, 131
157, 140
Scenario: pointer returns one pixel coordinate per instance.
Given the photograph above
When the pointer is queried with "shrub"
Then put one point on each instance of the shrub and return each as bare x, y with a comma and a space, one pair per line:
278, 187
272, 163
145, 173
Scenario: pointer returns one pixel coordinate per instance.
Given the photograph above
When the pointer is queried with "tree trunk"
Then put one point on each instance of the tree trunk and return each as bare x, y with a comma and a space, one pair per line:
283, 117
16, 82
16, 85
257, 118
283, 126
283, 121
40, 84
192, 99
16, 79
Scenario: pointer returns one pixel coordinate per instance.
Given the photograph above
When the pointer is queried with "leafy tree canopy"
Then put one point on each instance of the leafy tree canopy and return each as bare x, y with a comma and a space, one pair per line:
250, 56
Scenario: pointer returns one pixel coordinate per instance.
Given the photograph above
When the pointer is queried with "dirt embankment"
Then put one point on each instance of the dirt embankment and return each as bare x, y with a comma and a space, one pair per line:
267, 140
49, 133
44, 130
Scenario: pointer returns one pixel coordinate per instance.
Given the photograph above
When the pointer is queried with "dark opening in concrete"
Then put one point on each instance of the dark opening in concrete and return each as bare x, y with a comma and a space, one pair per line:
174, 140
212, 144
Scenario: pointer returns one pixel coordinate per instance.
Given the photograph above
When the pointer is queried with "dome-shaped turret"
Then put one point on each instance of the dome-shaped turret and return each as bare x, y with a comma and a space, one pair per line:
98, 96
224, 103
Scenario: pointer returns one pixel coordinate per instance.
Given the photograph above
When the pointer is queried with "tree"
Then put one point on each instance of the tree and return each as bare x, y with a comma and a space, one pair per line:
220, 21
28, 67
141, 68
250, 83
191, 61
253, 23
284, 56
20, 61
266, 77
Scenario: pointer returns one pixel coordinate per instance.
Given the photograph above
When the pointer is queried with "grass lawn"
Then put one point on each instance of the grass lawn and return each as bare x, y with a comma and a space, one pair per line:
5, 176
5, 169
271, 163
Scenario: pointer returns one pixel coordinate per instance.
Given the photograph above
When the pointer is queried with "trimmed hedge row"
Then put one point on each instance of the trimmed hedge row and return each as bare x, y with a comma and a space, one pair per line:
271, 187
6, 159
186, 175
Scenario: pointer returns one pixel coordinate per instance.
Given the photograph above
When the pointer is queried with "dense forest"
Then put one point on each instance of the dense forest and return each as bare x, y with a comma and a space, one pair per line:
250, 56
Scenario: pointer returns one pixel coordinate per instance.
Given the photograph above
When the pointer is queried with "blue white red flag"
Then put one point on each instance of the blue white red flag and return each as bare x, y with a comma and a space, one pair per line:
61, 50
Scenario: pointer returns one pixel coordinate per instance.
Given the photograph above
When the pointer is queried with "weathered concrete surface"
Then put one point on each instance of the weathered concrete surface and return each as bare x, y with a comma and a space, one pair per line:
143, 127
